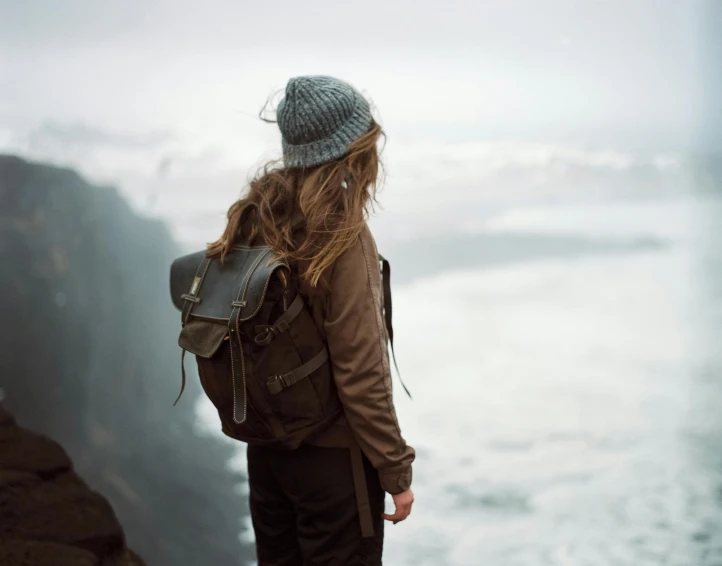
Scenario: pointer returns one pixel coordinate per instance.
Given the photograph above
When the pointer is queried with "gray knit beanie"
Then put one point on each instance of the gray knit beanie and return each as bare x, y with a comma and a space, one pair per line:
319, 118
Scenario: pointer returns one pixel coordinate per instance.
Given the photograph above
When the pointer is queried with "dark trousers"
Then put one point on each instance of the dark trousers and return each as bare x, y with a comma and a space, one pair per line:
304, 508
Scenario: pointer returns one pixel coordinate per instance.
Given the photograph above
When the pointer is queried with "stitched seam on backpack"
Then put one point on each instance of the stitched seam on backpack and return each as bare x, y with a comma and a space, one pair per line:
243, 374
233, 380
242, 247
384, 359
244, 286
263, 295
200, 284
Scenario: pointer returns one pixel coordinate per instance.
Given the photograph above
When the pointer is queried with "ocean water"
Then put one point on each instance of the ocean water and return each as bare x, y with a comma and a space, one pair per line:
567, 406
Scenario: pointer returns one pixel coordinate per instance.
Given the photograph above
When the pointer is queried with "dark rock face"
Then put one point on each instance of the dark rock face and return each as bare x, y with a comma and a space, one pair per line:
88, 356
33, 553
24, 451
49, 515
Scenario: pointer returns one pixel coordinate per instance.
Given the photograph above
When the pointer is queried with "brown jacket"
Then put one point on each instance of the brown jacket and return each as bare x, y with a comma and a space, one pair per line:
348, 311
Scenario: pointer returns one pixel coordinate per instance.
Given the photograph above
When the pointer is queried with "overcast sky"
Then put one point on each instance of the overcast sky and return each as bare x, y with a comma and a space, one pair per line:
578, 69
125, 88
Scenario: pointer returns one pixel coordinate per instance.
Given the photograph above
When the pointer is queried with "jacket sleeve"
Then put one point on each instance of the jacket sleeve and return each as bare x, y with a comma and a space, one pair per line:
357, 345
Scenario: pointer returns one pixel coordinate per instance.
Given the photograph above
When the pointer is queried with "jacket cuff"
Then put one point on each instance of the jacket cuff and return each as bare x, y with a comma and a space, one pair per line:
396, 482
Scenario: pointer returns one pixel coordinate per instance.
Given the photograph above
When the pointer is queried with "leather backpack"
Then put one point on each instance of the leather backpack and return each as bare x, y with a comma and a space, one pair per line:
261, 359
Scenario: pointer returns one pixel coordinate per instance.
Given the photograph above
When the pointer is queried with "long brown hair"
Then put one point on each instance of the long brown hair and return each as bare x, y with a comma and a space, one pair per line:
334, 197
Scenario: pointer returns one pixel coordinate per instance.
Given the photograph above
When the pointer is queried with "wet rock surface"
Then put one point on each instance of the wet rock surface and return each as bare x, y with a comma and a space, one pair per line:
49, 514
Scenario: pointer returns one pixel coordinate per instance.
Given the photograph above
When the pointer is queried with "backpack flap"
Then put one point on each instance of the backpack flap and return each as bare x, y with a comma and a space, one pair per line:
209, 293
202, 337
239, 282
182, 273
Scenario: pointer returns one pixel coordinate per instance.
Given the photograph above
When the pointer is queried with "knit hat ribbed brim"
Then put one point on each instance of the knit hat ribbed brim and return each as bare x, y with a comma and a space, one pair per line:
319, 118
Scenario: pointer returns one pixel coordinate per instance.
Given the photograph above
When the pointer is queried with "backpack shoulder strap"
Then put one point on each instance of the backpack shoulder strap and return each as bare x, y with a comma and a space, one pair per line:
386, 280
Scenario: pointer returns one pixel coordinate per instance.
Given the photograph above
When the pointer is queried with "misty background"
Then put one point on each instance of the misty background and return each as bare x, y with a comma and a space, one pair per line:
551, 209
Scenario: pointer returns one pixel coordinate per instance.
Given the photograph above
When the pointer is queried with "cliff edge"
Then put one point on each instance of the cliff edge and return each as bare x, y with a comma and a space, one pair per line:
50, 517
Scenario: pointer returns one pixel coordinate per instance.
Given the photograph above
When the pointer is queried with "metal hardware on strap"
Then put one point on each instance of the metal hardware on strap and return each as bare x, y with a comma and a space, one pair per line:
269, 332
191, 298
387, 314
239, 304
278, 383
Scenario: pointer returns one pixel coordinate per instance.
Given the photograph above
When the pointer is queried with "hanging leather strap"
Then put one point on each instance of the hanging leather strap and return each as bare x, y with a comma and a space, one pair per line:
183, 376
386, 277
191, 298
267, 333
278, 383
362, 492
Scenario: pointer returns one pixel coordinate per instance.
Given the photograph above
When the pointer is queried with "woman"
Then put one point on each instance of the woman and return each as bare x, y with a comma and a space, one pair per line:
304, 504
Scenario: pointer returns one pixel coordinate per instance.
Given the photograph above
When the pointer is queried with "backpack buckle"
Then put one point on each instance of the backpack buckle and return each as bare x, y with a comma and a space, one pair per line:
265, 335
276, 384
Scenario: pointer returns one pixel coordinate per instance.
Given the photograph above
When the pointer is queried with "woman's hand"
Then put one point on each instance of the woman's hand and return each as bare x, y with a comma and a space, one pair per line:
403, 502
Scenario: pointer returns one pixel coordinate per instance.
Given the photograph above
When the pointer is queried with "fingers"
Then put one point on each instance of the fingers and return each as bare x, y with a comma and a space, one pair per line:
395, 518
402, 512
403, 502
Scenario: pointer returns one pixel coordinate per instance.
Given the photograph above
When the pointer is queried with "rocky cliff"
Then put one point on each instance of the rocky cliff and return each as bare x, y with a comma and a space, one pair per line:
50, 517
88, 356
